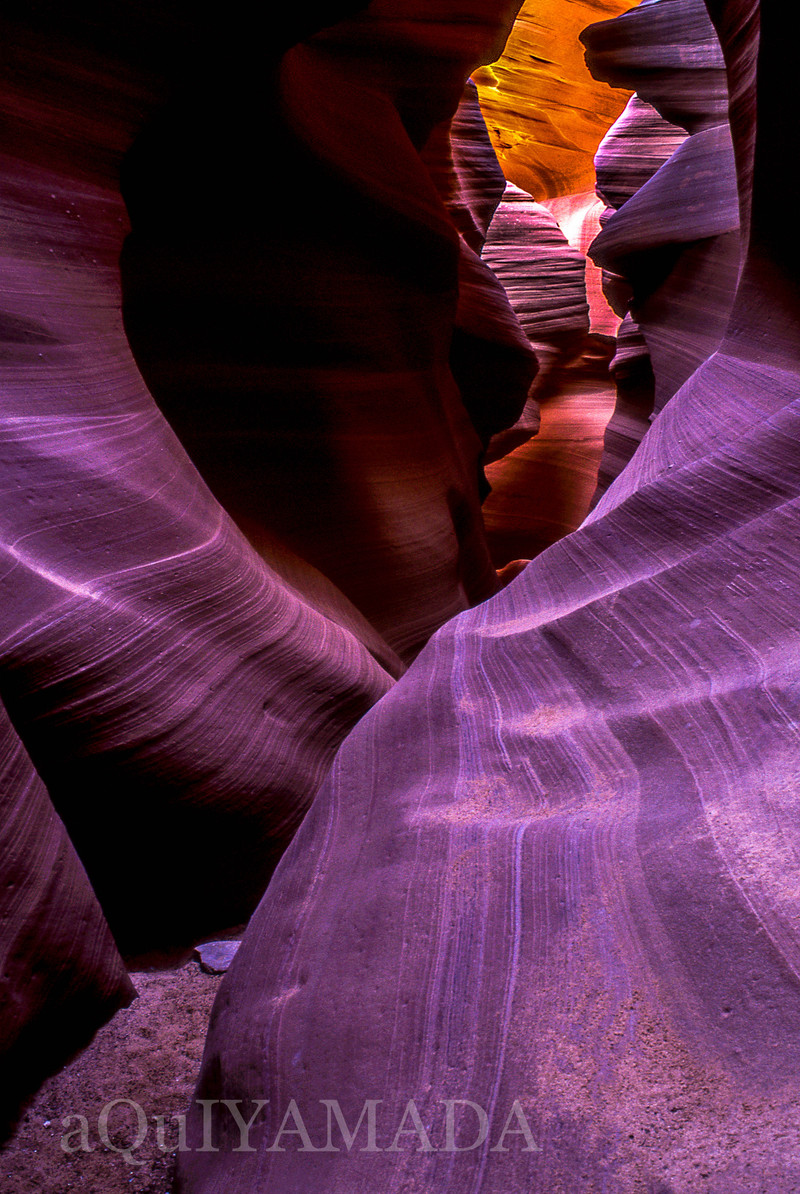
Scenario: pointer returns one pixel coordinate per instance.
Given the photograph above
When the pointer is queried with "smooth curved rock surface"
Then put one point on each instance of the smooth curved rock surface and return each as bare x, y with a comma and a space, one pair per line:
581, 890
671, 252
578, 218
628, 157
738, 26
491, 358
665, 51
632, 371
544, 111
681, 259
630, 154
545, 280
146, 649
464, 167
542, 274
181, 688
543, 470
633, 149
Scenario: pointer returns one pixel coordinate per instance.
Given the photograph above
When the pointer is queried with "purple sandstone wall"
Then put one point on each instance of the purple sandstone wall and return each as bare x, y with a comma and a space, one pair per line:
178, 674
557, 863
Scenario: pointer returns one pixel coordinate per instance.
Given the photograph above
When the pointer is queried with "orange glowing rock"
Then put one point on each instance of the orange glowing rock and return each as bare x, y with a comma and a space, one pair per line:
546, 115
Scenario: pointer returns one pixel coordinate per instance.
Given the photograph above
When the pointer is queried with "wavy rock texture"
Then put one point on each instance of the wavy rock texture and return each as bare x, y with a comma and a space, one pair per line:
672, 248
580, 891
180, 697
683, 316
632, 371
544, 111
180, 687
633, 150
578, 218
630, 154
491, 358
545, 282
542, 486
465, 169
147, 650
665, 51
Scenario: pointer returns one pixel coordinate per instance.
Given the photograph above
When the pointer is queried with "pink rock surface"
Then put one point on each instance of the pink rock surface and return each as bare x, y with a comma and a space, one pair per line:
544, 279
632, 371
633, 149
542, 486
147, 650
578, 218
557, 864
671, 250
180, 680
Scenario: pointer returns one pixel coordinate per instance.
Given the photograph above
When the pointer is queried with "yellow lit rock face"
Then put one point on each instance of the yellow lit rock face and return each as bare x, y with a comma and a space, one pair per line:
545, 113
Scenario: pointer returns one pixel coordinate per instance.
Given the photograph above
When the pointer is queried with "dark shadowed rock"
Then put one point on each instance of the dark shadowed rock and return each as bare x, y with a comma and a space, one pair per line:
60, 972
310, 323
491, 358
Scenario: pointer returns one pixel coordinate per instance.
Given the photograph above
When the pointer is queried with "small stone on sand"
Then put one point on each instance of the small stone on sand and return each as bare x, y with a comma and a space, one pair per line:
216, 956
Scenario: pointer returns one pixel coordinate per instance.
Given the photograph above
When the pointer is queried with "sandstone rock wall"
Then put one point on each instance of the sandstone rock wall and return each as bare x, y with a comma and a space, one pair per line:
178, 678
670, 242
580, 891
544, 111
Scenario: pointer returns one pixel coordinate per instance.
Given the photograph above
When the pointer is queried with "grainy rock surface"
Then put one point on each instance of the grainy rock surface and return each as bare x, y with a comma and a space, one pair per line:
178, 677
148, 1056
581, 891
216, 956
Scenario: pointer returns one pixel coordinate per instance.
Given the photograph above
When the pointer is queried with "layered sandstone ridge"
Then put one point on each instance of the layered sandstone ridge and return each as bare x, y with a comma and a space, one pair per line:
544, 111
670, 243
574, 877
181, 654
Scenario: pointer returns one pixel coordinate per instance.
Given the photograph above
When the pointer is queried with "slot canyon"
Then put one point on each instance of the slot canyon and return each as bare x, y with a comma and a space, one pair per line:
399, 678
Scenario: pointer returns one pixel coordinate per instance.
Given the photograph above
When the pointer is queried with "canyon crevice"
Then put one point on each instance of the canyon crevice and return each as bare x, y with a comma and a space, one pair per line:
299, 347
